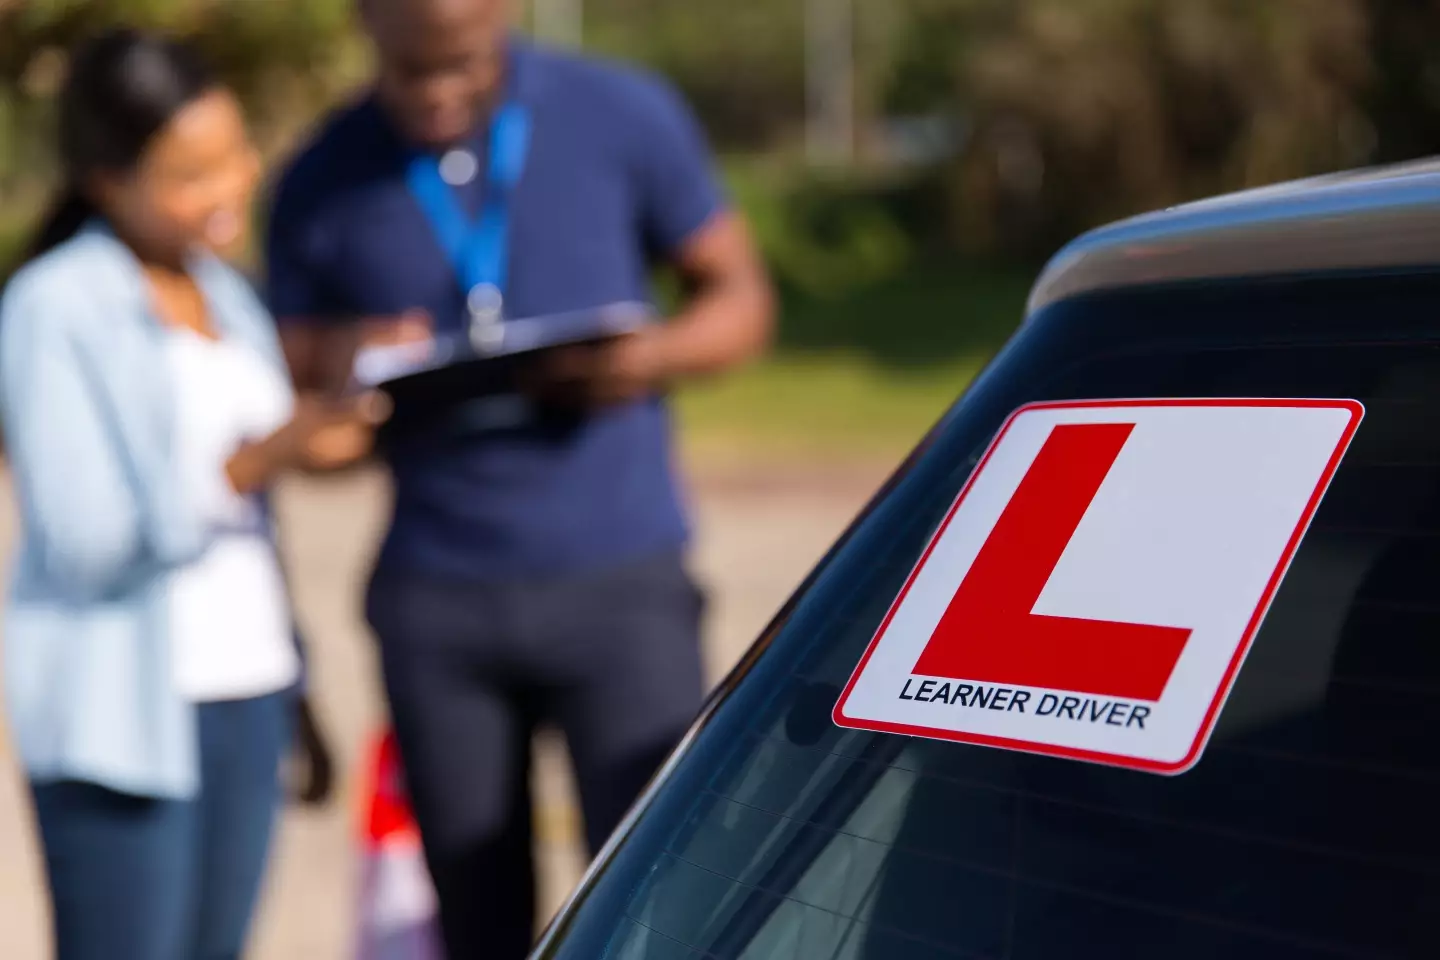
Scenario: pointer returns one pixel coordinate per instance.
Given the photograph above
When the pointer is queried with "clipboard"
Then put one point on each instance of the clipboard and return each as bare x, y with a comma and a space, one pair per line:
455, 377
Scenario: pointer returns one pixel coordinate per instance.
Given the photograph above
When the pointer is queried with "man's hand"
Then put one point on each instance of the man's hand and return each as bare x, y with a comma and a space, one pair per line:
728, 319
321, 353
410, 327
328, 434
616, 371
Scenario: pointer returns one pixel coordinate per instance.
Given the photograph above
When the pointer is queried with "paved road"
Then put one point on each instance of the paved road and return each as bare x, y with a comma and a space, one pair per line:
758, 535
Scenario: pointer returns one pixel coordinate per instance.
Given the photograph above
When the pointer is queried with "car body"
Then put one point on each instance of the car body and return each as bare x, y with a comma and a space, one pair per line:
1301, 823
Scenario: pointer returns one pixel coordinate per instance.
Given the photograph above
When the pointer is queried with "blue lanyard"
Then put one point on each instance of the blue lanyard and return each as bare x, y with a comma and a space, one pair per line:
477, 250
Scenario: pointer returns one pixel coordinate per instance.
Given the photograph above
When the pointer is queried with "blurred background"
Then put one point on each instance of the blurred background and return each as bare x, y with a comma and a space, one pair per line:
908, 166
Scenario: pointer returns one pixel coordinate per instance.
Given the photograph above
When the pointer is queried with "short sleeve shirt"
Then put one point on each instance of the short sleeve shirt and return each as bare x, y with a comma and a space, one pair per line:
617, 176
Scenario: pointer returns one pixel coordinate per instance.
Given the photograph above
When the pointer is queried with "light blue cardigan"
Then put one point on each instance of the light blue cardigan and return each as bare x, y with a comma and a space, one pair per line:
87, 407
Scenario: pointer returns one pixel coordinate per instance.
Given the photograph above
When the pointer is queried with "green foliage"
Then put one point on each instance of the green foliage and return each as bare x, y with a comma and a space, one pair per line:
285, 59
738, 61
1075, 111
930, 313
1086, 110
823, 236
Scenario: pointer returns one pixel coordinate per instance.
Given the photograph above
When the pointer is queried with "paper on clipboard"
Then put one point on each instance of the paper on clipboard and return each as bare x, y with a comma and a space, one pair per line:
377, 365
380, 362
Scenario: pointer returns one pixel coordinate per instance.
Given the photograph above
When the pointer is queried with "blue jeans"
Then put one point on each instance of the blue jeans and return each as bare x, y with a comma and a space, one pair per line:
139, 878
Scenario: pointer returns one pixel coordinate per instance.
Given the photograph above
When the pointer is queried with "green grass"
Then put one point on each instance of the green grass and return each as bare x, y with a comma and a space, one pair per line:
922, 316
832, 405
864, 375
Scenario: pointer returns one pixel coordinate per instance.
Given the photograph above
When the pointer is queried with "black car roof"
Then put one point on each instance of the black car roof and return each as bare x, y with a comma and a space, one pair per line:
1378, 218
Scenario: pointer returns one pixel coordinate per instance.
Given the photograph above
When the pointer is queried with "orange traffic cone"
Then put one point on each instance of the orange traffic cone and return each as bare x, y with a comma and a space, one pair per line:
397, 900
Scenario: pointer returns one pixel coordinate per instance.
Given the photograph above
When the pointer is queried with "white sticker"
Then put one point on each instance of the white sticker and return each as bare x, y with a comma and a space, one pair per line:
1097, 584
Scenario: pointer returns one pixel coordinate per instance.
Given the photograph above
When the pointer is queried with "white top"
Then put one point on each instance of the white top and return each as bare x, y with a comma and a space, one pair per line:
230, 622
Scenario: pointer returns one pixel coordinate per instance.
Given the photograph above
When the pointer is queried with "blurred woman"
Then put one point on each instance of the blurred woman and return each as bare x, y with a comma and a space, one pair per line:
149, 665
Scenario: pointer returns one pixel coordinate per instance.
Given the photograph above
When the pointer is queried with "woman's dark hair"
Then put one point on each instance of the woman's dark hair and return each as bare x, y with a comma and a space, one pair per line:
123, 87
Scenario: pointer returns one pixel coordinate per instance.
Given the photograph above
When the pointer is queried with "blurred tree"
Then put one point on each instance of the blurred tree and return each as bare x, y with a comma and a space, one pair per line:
740, 62
1085, 110
284, 58
1404, 101
1073, 111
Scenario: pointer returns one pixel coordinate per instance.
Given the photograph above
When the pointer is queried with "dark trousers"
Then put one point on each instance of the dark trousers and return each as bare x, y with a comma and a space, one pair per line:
471, 669
138, 878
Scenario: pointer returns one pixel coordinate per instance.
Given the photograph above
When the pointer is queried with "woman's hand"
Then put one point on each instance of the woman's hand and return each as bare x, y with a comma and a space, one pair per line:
326, 434
322, 434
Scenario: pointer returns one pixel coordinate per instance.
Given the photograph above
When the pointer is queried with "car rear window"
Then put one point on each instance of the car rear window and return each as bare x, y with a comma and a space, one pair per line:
1311, 825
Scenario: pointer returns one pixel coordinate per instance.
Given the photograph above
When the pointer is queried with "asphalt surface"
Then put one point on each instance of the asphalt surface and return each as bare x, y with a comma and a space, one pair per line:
758, 533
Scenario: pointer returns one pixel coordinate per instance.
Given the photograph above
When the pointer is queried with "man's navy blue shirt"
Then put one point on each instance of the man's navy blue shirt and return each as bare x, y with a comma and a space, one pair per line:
617, 176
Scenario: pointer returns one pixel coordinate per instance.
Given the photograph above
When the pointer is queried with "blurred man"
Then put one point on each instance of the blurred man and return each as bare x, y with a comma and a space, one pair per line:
533, 571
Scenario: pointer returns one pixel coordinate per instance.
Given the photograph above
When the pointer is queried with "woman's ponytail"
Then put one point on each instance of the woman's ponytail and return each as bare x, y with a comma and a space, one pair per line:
68, 212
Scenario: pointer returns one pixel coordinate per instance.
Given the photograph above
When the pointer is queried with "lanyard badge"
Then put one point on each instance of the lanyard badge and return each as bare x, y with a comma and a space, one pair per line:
476, 249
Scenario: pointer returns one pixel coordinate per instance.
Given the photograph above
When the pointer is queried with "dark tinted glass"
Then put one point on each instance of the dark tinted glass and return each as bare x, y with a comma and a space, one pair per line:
1311, 826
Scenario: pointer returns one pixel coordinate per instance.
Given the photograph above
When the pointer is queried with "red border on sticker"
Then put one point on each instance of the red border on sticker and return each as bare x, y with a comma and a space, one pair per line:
1212, 714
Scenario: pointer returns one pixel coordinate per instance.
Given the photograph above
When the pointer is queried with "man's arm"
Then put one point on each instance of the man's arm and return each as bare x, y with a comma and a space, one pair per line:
729, 313
729, 317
